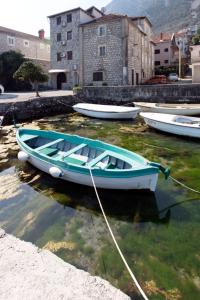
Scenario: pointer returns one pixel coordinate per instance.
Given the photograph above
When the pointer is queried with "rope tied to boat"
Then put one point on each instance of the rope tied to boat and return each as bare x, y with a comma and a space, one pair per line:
115, 242
184, 185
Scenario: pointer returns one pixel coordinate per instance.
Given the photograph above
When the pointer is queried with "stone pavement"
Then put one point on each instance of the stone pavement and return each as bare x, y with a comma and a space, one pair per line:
16, 97
28, 273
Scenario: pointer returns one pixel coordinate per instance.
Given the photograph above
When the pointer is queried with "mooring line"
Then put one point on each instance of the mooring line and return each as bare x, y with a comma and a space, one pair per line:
185, 186
115, 242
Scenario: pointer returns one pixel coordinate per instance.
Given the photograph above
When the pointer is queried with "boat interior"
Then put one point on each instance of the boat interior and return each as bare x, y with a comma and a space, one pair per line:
186, 120
80, 154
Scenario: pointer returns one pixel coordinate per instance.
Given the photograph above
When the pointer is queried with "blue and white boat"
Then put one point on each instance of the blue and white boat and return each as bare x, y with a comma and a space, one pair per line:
72, 158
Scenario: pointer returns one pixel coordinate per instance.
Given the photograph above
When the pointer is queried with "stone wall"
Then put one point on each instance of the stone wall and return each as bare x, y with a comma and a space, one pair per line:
36, 108
160, 93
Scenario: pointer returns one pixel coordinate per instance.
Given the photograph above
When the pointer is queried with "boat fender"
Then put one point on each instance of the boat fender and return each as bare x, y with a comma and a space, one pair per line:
165, 171
23, 156
55, 172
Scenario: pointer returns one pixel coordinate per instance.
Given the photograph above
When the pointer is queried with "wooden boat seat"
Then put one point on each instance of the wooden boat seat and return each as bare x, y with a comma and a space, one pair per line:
28, 137
95, 161
49, 144
49, 151
68, 153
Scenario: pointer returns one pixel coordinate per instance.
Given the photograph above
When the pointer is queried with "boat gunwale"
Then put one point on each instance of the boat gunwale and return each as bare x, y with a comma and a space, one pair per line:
131, 110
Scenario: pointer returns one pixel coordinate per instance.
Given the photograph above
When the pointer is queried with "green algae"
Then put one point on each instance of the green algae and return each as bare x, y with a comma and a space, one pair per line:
158, 234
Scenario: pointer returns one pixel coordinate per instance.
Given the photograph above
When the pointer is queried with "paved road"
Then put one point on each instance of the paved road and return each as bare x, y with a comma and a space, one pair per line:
15, 97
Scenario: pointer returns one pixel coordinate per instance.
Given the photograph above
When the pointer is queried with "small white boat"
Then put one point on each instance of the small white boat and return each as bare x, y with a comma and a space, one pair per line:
175, 109
180, 125
71, 157
106, 111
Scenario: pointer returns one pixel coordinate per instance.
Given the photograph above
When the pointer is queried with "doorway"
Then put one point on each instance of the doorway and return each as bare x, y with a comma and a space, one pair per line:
137, 78
133, 79
61, 78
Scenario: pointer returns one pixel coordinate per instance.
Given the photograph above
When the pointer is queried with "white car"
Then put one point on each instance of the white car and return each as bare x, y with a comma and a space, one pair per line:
1, 89
173, 77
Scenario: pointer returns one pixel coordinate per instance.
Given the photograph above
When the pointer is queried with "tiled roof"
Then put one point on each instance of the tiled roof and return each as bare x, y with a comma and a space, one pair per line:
162, 37
21, 34
105, 18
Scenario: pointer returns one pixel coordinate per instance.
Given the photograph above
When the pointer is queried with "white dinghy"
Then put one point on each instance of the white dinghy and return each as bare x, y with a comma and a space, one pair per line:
180, 125
106, 111
175, 109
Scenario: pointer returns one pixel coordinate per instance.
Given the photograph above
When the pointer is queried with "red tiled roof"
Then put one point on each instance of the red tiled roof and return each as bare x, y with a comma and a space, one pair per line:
22, 34
162, 37
105, 18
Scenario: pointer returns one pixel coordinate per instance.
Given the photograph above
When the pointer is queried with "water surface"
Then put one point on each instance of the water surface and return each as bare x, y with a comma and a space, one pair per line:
157, 232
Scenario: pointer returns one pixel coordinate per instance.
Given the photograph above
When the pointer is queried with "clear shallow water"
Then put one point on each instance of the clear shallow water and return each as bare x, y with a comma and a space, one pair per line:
158, 233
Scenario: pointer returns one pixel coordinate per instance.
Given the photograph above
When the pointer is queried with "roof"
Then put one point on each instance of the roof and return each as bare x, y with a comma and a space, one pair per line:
66, 11
22, 34
105, 18
93, 7
140, 18
166, 37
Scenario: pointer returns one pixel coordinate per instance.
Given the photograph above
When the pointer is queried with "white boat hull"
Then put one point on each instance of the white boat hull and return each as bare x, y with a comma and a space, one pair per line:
107, 111
178, 129
175, 109
145, 182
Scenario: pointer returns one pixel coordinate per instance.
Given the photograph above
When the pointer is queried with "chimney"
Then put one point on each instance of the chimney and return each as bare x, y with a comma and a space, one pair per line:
161, 36
41, 33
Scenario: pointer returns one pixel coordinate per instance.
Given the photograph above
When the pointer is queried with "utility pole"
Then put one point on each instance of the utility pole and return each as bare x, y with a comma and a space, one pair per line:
180, 60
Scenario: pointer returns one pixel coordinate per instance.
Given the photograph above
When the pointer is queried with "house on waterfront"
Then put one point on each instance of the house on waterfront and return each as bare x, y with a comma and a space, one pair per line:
35, 48
195, 61
91, 48
167, 47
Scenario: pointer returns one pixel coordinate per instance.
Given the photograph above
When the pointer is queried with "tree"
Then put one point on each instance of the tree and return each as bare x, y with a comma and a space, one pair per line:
195, 39
31, 72
9, 63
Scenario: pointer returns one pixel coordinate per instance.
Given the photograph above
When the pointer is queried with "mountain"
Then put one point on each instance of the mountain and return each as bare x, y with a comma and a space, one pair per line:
165, 15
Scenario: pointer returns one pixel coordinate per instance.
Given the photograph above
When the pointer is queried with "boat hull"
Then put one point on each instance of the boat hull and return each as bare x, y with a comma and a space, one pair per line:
107, 115
176, 110
172, 128
145, 182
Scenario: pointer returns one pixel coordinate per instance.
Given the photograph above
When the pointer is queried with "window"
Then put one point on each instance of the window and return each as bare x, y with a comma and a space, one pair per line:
41, 46
69, 18
157, 63
58, 20
69, 35
98, 76
58, 56
166, 50
69, 55
102, 30
58, 37
157, 51
11, 41
102, 50
26, 43
166, 61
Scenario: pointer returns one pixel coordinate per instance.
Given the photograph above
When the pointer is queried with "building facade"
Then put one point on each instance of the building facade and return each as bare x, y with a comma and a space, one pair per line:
35, 48
90, 48
195, 60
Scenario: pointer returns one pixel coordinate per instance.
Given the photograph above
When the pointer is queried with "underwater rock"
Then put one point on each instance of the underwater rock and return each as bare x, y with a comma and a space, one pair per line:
56, 246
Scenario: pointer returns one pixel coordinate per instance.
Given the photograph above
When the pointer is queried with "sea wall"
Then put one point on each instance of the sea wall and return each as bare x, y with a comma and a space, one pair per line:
36, 108
171, 93
27, 272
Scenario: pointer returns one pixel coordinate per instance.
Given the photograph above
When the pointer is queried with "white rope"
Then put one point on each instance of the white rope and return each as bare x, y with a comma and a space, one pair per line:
115, 242
185, 186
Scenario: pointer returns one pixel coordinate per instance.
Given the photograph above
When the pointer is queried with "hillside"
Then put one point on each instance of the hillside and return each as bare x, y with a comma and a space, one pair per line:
166, 15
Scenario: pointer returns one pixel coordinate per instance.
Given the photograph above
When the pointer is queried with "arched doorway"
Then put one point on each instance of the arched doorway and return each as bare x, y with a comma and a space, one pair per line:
61, 78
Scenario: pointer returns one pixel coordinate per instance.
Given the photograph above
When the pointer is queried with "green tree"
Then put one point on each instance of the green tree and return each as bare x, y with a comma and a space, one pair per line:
9, 63
32, 73
195, 40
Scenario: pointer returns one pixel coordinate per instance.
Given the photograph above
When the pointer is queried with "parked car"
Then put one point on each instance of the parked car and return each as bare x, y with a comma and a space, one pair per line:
1, 89
173, 77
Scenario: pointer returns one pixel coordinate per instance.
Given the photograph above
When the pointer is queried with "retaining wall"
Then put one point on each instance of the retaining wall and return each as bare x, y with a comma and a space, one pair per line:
172, 93
36, 108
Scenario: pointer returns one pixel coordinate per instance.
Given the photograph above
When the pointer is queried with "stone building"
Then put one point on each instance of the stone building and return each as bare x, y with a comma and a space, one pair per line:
35, 48
91, 48
195, 60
